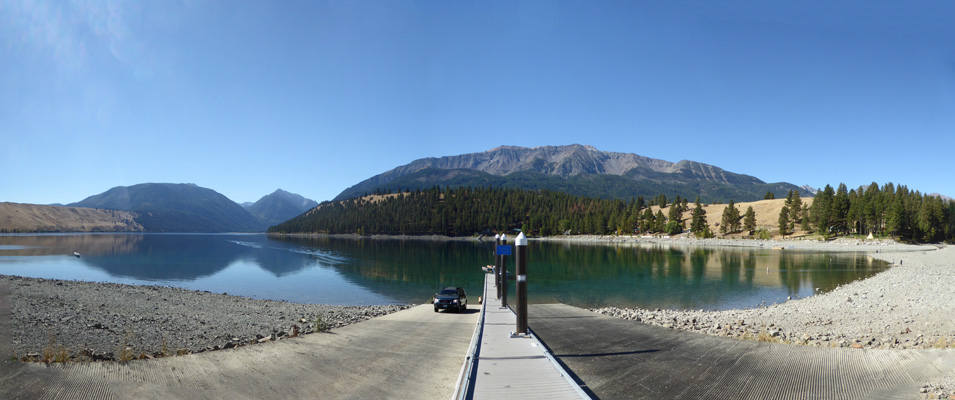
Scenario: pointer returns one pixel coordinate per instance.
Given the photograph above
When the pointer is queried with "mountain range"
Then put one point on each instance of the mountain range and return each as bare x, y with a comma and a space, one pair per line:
575, 169
169, 207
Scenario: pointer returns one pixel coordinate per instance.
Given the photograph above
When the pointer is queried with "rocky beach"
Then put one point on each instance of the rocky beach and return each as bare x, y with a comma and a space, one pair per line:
55, 320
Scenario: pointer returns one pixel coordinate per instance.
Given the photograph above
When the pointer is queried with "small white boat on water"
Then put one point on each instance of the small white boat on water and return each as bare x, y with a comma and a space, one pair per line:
75, 254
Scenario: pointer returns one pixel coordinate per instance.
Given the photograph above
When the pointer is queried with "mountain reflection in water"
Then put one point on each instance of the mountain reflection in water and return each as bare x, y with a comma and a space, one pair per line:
367, 271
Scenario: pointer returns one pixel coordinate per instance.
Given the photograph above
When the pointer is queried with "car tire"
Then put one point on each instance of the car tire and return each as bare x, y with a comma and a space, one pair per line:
436, 309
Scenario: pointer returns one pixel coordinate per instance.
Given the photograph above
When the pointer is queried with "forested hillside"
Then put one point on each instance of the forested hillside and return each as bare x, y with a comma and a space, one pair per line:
883, 211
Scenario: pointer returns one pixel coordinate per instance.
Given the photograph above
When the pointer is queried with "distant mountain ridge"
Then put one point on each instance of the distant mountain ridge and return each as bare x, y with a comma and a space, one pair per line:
169, 207
280, 206
576, 169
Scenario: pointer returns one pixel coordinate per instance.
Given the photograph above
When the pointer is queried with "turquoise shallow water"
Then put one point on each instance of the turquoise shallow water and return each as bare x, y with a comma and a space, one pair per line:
360, 272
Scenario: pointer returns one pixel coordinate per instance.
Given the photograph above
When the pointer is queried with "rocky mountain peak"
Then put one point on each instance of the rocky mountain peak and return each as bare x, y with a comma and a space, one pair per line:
551, 167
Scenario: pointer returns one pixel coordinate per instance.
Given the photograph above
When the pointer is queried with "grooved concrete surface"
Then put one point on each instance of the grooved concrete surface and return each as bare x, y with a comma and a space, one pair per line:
615, 358
414, 353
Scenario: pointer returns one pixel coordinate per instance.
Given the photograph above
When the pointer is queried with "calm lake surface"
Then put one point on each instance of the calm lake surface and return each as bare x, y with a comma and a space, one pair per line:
365, 271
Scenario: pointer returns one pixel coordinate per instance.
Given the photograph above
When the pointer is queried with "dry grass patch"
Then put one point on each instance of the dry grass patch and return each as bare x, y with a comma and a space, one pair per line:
767, 215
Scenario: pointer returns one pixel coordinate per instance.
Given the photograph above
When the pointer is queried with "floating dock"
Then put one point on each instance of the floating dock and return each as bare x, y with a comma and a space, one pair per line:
503, 365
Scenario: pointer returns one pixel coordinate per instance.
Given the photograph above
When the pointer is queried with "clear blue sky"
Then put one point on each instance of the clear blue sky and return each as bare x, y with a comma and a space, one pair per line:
245, 97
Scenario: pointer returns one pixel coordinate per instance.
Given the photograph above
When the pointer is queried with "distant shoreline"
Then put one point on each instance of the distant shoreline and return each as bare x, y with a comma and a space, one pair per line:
840, 244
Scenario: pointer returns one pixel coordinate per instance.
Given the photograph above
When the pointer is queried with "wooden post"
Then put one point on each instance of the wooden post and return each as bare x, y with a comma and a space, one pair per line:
521, 260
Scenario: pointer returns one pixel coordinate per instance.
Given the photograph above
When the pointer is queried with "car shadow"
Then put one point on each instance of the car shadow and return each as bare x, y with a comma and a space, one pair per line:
466, 311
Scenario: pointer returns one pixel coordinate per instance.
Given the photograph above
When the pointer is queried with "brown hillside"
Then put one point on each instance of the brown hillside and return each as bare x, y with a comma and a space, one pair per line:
15, 217
767, 214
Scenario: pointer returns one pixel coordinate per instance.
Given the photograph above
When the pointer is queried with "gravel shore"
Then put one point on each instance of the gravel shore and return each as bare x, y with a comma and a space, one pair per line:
908, 306
54, 319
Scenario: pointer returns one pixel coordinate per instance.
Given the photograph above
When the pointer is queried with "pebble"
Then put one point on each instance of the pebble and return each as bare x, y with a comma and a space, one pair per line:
96, 321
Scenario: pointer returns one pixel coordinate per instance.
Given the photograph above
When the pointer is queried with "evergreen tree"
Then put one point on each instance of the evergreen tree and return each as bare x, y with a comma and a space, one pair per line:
932, 219
898, 221
795, 210
673, 228
662, 200
821, 210
646, 223
675, 216
729, 223
659, 224
784, 221
873, 209
749, 221
839, 214
698, 225
804, 218
769, 195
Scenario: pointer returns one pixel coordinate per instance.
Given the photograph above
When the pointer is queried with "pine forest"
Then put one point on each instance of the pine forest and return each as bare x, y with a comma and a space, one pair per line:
883, 211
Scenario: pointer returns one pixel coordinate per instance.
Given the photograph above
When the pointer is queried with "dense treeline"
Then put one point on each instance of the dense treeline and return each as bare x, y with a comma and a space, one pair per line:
463, 211
886, 211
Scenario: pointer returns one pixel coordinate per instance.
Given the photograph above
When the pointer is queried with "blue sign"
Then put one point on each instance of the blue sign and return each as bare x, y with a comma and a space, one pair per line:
503, 250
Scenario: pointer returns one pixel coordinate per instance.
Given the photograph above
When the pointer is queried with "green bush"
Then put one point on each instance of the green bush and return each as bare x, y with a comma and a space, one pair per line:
321, 325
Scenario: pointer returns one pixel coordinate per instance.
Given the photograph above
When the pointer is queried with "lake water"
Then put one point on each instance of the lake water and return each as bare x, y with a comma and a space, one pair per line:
364, 272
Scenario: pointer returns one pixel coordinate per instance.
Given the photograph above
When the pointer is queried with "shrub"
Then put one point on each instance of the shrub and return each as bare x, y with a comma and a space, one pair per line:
321, 325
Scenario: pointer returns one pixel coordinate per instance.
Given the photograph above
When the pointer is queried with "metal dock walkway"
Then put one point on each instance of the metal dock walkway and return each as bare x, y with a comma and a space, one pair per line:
506, 367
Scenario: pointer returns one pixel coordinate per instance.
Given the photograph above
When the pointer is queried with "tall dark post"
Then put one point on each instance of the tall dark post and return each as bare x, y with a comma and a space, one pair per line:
503, 274
521, 260
497, 266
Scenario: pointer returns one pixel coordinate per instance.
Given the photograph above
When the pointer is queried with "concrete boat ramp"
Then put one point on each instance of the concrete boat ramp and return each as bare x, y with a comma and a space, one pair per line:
419, 354
616, 358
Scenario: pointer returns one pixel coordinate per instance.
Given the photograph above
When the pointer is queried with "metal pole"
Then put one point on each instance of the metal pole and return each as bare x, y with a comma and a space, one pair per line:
497, 266
521, 260
503, 274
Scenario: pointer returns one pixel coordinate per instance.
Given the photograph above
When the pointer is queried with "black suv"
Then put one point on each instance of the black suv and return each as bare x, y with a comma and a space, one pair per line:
451, 298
